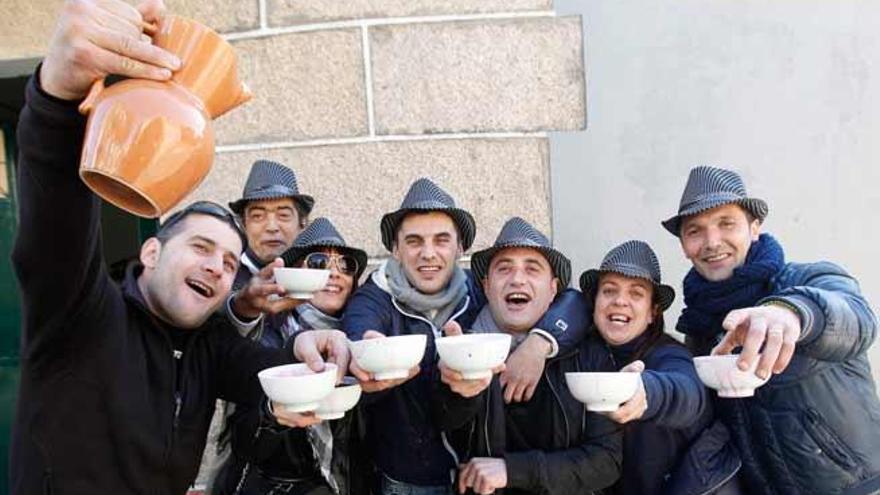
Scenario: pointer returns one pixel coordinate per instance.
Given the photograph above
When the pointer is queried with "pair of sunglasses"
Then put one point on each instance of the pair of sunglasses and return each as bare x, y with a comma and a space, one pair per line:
346, 264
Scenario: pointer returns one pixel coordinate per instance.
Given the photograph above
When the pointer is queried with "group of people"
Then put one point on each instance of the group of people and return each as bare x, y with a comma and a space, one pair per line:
119, 378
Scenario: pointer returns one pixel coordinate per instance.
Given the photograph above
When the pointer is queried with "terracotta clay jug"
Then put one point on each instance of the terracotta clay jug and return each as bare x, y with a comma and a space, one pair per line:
148, 144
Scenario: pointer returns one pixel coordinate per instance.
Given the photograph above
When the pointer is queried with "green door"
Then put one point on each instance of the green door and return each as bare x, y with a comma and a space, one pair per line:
10, 312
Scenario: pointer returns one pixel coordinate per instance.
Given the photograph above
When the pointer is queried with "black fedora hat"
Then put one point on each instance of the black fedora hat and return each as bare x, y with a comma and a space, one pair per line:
322, 234
710, 187
425, 196
271, 180
632, 259
519, 233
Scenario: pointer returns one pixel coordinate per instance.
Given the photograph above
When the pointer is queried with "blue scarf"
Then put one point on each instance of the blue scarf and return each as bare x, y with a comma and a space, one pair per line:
707, 303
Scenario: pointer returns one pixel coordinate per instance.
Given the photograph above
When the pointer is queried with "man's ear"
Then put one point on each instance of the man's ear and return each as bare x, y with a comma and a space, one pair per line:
151, 249
395, 252
755, 229
554, 288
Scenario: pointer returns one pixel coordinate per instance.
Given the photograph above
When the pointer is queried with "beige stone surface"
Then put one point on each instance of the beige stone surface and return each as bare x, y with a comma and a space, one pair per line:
26, 25
306, 86
289, 12
354, 185
511, 75
225, 16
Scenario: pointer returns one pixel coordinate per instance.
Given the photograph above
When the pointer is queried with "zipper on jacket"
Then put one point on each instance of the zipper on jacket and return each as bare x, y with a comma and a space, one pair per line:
562, 408
177, 403
176, 358
434, 330
486, 425
178, 395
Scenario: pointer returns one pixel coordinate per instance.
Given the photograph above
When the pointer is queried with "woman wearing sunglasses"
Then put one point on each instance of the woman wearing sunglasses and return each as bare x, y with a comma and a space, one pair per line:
320, 459
671, 442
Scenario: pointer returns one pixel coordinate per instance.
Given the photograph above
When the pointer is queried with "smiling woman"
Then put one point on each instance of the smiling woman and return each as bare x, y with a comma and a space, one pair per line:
668, 417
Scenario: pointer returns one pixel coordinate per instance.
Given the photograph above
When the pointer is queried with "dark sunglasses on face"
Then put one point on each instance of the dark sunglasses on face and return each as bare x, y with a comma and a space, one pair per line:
322, 261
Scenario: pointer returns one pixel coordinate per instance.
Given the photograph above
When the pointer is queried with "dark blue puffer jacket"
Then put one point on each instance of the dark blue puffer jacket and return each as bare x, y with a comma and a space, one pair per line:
406, 444
815, 428
677, 447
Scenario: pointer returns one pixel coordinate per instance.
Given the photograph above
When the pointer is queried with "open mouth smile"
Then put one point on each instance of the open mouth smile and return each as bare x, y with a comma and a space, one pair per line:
618, 319
200, 288
517, 300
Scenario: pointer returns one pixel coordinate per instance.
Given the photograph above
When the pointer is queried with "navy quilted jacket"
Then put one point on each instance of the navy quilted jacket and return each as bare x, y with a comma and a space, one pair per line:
814, 428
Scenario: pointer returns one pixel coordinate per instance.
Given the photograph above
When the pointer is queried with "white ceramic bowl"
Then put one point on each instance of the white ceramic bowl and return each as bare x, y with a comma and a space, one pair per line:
474, 355
297, 387
722, 374
301, 283
340, 400
389, 358
602, 391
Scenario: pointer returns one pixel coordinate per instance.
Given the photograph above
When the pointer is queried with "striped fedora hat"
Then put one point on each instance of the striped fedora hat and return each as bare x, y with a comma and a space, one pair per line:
320, 234
425, 196
271, 180
709, 187
519, 233
632, 259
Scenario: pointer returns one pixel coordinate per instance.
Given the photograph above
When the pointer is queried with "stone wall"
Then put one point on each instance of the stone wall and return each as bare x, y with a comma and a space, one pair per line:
362, 97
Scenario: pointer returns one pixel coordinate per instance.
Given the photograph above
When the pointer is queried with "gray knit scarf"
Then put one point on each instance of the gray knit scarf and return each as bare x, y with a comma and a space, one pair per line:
443, 302
307, 317
485, 323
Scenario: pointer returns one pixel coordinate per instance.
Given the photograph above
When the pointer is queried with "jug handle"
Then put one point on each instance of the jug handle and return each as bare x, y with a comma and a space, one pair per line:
89, 102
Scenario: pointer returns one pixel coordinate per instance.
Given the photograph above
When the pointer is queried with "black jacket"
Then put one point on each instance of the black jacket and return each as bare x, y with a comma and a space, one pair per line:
104, 406
259, 443
550, 444
276, 451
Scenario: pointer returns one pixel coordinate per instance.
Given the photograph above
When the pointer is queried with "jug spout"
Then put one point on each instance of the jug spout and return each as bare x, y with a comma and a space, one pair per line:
220, 103
245, 95
209, 67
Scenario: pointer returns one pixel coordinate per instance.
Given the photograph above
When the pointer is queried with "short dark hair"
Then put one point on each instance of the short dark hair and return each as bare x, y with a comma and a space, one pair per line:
174, 223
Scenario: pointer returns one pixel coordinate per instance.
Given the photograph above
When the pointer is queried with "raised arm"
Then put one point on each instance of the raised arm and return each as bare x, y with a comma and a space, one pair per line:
57, 253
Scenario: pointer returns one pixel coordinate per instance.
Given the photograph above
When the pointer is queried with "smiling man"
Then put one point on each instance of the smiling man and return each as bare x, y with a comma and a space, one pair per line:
273, 213
549, 444
419, 291
812, 428
118, 381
